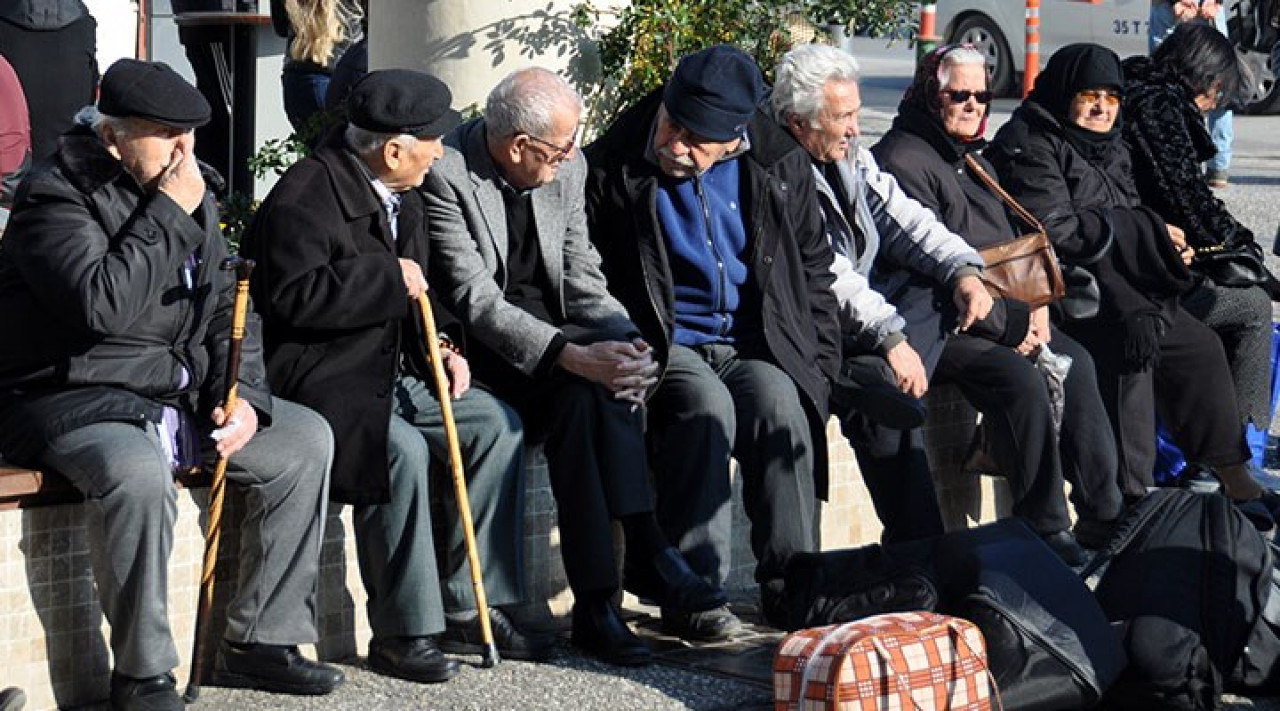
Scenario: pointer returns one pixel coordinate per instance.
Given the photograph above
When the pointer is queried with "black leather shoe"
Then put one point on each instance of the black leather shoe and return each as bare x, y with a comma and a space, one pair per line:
1065, 545
12, 699
600, 631
668, 581
1094, 534
707, 626
512, 643
276, 668
156, 693
413, 658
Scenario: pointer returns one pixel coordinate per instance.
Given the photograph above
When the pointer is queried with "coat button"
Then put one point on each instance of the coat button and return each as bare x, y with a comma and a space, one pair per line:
768, 260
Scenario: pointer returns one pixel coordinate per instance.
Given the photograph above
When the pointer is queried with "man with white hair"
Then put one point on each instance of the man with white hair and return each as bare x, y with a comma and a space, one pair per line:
509, 235
875, 228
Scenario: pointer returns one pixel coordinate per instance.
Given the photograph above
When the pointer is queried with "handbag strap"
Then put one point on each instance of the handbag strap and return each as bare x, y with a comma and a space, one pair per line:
904, 690
990, 182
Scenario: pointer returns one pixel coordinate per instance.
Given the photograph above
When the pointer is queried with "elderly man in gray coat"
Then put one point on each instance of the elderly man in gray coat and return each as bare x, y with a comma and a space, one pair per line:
513, 262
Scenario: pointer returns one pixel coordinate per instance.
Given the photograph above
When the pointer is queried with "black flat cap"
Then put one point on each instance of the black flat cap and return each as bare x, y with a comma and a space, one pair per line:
402, 101
713, 92
153, 91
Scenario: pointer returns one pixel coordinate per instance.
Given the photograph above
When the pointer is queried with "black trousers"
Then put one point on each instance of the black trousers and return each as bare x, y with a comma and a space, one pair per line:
1191, 387
596, 461
1012, 395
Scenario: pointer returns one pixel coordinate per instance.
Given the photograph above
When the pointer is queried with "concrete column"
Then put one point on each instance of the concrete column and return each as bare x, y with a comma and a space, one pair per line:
471, 45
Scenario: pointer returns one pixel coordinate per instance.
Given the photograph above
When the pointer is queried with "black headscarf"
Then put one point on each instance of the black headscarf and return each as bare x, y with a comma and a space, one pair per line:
1073, 69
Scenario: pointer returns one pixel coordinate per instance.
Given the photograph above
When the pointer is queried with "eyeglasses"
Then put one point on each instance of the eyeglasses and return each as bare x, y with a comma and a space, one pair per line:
959, 96
1090, 96
557, 154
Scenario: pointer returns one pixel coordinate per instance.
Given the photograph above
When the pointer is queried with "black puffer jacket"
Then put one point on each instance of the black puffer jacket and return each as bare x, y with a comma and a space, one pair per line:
101, 324
1168, 139
787, 251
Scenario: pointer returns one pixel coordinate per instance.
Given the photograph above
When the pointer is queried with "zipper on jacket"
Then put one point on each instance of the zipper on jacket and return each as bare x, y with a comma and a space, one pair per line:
711, 243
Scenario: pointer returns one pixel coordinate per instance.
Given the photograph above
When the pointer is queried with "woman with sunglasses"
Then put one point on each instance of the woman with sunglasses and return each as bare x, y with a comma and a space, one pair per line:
1193, 71
940, 124
1062, 156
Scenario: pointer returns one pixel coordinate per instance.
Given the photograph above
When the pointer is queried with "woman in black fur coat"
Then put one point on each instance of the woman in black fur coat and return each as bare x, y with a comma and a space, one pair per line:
1165, 97
1062, 156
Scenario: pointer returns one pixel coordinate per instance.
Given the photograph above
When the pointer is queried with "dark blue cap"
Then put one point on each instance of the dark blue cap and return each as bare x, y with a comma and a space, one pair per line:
713, 92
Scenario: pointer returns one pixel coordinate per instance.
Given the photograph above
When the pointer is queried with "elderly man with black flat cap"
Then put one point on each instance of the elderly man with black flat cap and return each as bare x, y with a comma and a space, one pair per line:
341, 244
701, 208
119, 314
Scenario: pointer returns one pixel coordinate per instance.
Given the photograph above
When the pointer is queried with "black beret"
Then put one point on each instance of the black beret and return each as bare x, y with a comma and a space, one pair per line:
713, 92
153, 91
402, 101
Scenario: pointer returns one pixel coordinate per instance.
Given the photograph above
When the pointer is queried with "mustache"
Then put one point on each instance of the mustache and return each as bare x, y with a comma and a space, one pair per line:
682, 161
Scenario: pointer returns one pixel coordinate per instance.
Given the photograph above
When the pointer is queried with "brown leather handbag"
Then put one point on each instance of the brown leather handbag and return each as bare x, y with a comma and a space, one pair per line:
1023, 268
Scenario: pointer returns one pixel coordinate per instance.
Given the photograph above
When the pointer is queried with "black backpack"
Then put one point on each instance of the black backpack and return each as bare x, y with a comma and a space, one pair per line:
1188, 578
1049, 645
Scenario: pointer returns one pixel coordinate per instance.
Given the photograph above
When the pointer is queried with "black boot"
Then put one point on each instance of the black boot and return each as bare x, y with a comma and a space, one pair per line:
600, 631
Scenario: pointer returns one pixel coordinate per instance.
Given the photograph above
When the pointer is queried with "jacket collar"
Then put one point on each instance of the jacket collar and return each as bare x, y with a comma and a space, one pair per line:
86, 162
355, 194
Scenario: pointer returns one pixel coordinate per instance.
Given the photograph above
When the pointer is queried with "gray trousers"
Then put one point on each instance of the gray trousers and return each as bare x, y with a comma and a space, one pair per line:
394, 541
712, 404
131, 507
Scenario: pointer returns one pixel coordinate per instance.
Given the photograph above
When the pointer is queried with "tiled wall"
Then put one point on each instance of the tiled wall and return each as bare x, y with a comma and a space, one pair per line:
53, 637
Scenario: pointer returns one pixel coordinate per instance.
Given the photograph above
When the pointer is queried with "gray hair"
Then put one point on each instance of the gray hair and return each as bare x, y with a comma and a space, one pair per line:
123, 127
801, 79
960, 56
364, 142
526, 101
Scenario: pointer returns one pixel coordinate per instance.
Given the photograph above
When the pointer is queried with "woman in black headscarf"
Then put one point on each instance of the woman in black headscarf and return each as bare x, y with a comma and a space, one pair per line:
938, 130
1063, 157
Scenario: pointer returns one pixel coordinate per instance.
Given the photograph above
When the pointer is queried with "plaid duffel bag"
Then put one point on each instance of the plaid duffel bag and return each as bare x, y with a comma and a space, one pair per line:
901, 661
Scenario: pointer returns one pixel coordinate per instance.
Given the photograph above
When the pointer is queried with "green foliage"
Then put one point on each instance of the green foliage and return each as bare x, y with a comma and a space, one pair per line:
649, 36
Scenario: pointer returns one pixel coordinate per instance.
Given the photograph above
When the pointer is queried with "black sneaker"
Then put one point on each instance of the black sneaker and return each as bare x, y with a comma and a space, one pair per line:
276, 668
155, 693
466, 638
715, 625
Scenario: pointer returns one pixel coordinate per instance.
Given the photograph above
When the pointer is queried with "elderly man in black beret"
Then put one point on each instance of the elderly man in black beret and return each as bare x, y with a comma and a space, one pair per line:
341, 244
119, 317
702, 211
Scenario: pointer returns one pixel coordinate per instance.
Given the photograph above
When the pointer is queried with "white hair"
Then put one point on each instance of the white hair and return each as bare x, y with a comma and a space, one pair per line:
123, 127
800, 80
960, 56
526, 101
364, 141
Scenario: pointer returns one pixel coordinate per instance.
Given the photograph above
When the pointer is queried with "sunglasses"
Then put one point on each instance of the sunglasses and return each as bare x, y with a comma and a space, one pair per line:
959, 96
1090, 96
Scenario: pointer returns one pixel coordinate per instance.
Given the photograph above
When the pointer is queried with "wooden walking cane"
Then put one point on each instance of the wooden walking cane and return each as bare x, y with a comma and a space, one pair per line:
218, 488
459, 480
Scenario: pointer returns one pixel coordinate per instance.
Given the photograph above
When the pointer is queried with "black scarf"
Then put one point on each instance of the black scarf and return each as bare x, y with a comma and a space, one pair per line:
1073, 69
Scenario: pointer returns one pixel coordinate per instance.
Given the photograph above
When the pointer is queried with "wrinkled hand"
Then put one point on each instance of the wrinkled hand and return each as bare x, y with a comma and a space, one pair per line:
906, 364
1184, 10
972, 299
414, 281
181, 180
235, 432
627, 369
1037, 332
1179, 238
458, 370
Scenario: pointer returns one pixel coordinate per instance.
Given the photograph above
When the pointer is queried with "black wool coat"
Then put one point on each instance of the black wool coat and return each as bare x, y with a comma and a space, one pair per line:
335, 314
787, 251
